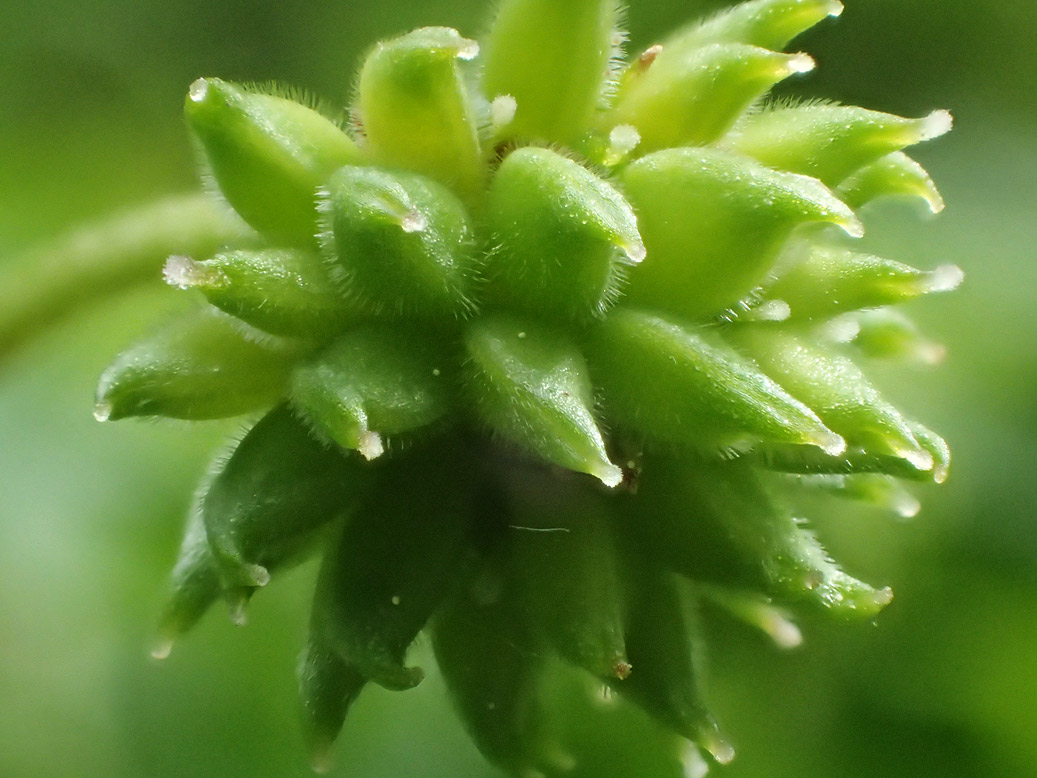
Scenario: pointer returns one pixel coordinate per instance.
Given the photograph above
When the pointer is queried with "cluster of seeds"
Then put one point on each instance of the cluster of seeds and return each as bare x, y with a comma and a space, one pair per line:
544, 342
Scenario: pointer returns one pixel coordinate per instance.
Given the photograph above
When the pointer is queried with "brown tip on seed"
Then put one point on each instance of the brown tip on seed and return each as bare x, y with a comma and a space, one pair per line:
648, 56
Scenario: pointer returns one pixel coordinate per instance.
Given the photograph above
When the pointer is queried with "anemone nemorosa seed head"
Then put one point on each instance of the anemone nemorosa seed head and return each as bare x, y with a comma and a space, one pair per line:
542, 345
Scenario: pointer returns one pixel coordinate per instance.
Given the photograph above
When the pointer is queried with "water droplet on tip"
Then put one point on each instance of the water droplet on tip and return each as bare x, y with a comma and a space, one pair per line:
800, 63
469, 50
413, 221
936, 124
945, 278
773, 310
198, 90
831, 444
502, 110
371, 446
610, 475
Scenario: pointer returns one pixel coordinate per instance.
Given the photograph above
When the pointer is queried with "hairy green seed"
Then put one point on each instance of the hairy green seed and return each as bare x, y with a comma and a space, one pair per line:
829, 142
767, 23
566, 566
371, 382
831, 280
895, 174
491, 670
838, 391
691, 95
552, 57
281, 291
666, 682
204, 366
702, 394
399, 244
415, 109
562, 235
718, 523
269, 502
328, 687
394, 563
267, 155
531, 386
713, 224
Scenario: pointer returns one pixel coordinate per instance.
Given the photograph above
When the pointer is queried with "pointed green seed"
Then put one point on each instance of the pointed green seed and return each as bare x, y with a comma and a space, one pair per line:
829, 142
831, 280
492, 675
767, 23
530, 385
685, 386
398, 244
713, 223
564, 560
895, 174
885, 334
837, 390
553, 58
194, 586
662, 649
281, 291
328, 687
270, 501
203, 366
877, 489
415, 108
371, 382
692, 96
397, 558
716, 522
267, 154
563, 234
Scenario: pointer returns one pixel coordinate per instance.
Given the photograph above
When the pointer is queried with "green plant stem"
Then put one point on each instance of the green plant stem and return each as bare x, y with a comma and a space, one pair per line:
50, 281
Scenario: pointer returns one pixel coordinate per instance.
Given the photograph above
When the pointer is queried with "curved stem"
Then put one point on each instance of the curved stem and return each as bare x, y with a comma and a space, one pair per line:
50, 281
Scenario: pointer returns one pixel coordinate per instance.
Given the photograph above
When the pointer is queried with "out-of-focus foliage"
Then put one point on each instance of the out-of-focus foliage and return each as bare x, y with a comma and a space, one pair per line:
90, 516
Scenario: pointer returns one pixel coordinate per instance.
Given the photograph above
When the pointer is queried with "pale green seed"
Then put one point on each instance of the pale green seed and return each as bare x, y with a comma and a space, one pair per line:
691, 96
830, 280
267, 155
829, 142
767, 23
713, 223
281, 291
415, 109
837, 390
205, 365
552, 57
895, 174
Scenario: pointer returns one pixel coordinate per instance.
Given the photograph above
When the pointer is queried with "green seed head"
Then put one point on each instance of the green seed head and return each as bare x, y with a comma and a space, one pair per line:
544, 349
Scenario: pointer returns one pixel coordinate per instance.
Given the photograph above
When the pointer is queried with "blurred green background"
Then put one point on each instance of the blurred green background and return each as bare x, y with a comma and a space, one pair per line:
944, 684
